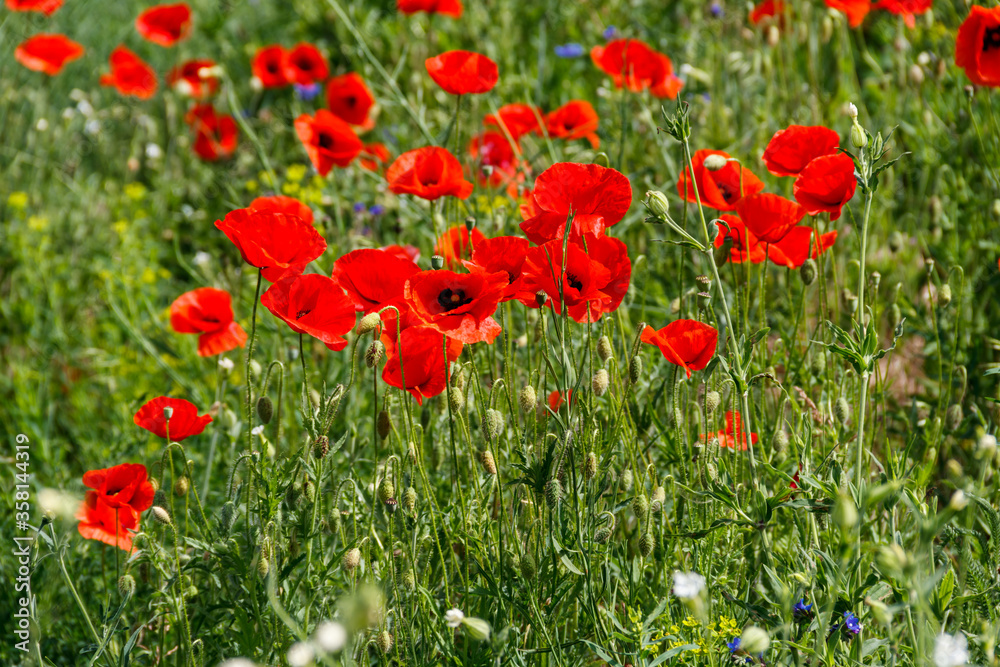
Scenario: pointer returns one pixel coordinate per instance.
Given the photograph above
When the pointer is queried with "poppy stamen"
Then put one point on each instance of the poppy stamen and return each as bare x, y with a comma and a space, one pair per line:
991, 39
574, 282
302, 313
452, 299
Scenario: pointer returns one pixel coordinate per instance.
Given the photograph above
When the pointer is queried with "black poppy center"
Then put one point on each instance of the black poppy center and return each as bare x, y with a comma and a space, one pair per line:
325, 141
304, 65
302, 313
574, 282
991, 39
451, 299
726, 193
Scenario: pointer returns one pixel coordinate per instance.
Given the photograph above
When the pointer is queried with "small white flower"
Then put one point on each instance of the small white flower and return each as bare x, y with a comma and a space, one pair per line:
202, 259
226, 364
92, 127
331, 636
688, 585
852, 111
924, 59
256, 84
958, 501
153, 151
300, 654
257, 430
76, 95
238, 662
42, 125
454, 617
84, 107
951, 650
68, 113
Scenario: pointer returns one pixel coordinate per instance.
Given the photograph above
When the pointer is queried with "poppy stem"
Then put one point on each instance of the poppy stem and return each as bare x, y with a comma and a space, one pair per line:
250, 345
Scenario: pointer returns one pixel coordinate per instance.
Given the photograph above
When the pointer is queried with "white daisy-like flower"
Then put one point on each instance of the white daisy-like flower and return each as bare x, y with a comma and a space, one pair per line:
153, 151
852, 111
688, 585
951, 650
454, 617
331, 636
300, 654
257, 430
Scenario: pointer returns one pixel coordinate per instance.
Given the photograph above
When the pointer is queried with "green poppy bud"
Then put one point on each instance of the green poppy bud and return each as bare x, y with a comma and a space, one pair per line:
410, 499
590, 466
181, 486
386, 490
842, 411
456, 399
526, 399
320, 447
635, 369
808, 272
553, 492
265, 409
351, 560
384, 642
953, 418
599, 383
489, 463
161, 515
658, 204
646, 544
368, 323
715, 162
528, 567
602, 535
604, 350
493, 424
374, 353
859, 138
640, 505
126, 585
383, 424
712, 401
944, 295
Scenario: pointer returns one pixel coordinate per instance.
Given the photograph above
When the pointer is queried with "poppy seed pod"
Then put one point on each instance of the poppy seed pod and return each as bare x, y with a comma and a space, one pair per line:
409, 499
540, 298
368, 323
599, 383
842, 411
635, 369
704, 300
712, 401
161, 515
526, 399
492, 424
181, 486
374, 353
715, 162
590, 466
383, 424
384, 642
470, 223
351, 560
646, 544
553, 492
168, 412
808, 272
321, 447
386, 490
944, 295
658, 203
640, 505
456, 399
126, 585
265, 409
437, 262
528, 567
604, 350
489, 463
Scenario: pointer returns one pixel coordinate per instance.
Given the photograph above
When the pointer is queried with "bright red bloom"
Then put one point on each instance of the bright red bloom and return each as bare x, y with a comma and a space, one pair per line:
501, 253
408, 252
47, 7
184, 422
463, 72
745, 243
598, 197
826, 184
494, 150
456, 244
769, 216
312, 304
977, 46
429, 173
374, 157
268, 66
908, 9
280, 245
799, 245
765, 10
733, 436
556, 400
459, 305
452, 8
328, 140
422, 349
519, 119
574, 120
349, 98
856, 10
47, 53
130, 74
187, 79
165, 24
215, 135
305, 65
282, 204
99, 521
686, 343
373, 278
209, 312
633, 64
717, 189
791, 149
124, 486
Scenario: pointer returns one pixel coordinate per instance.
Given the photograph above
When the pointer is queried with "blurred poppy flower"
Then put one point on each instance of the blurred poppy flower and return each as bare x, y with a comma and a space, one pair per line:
908, 9
373, 278
791, 149
598, 197
856, 10
429, 173
744, 243
279, 244
305, 65
496, 158
686, 343
452, 8
165, 24
977, 46
215, 135
501, 253
184, 420
556, 400
130, 75
209, 312
47, 53
456, 244
282, 204
519, 119
633, 64
374, 157
408, 252
573, 120
459, 305
350, 99
733, 436
769, 216
312, 304
328, 140
422, 350
187, 79
463, 72
766, 10
719, 189
47, 7
110, 525
826, 184
268, 66
124, 488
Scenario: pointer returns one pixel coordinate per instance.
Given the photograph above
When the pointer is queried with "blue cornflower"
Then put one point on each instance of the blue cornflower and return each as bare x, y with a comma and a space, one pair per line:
734, 645
359, 207
610, 32
308, 91
716, 10
571, 50
377, 210
851, 623
801, 608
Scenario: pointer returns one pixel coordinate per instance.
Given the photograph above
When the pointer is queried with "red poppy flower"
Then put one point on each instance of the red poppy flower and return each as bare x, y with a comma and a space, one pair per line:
462, 72
826, 184
124, 487
501, 253
744, 242
184, 422
279, 244
305, 65
130, 74
977, 47
856, 10
373, 278
494, 150
328, 140
101, 522
598, 197
165, 24
765, 10
799, 245
429, 173
269, 66
718, 189
822, 244
451, 8
187, 79
209, 312
407, 252
732, 437
769, 216
556, 400
633, 64
791, 149
374, 157
312, 304
215, 135
282, 204
349, 98
422, 349
687, 343
908, 9
47, 53
456, 244
47, 7
573, 120
519, 119
459, 305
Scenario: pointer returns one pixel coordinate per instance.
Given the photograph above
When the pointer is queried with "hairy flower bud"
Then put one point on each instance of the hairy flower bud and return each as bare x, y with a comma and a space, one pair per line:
263, 566
646, 544
635, 369
712, 401
599, 383
602, 535
627, 480
386, 490
181, 486
659, 497
456, 399
780, 441
321, 447
715, 162
842, 411
808, 272
526, 399
351, 559
383, 424
528, 567
953, 417
265, 409
640, 505
161, 515
553, 492
410, 499
658, 203
590, 466
604, 349
126, 585
944, 295
492, 424
384, 642
374, 353
368, 323
489, 464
